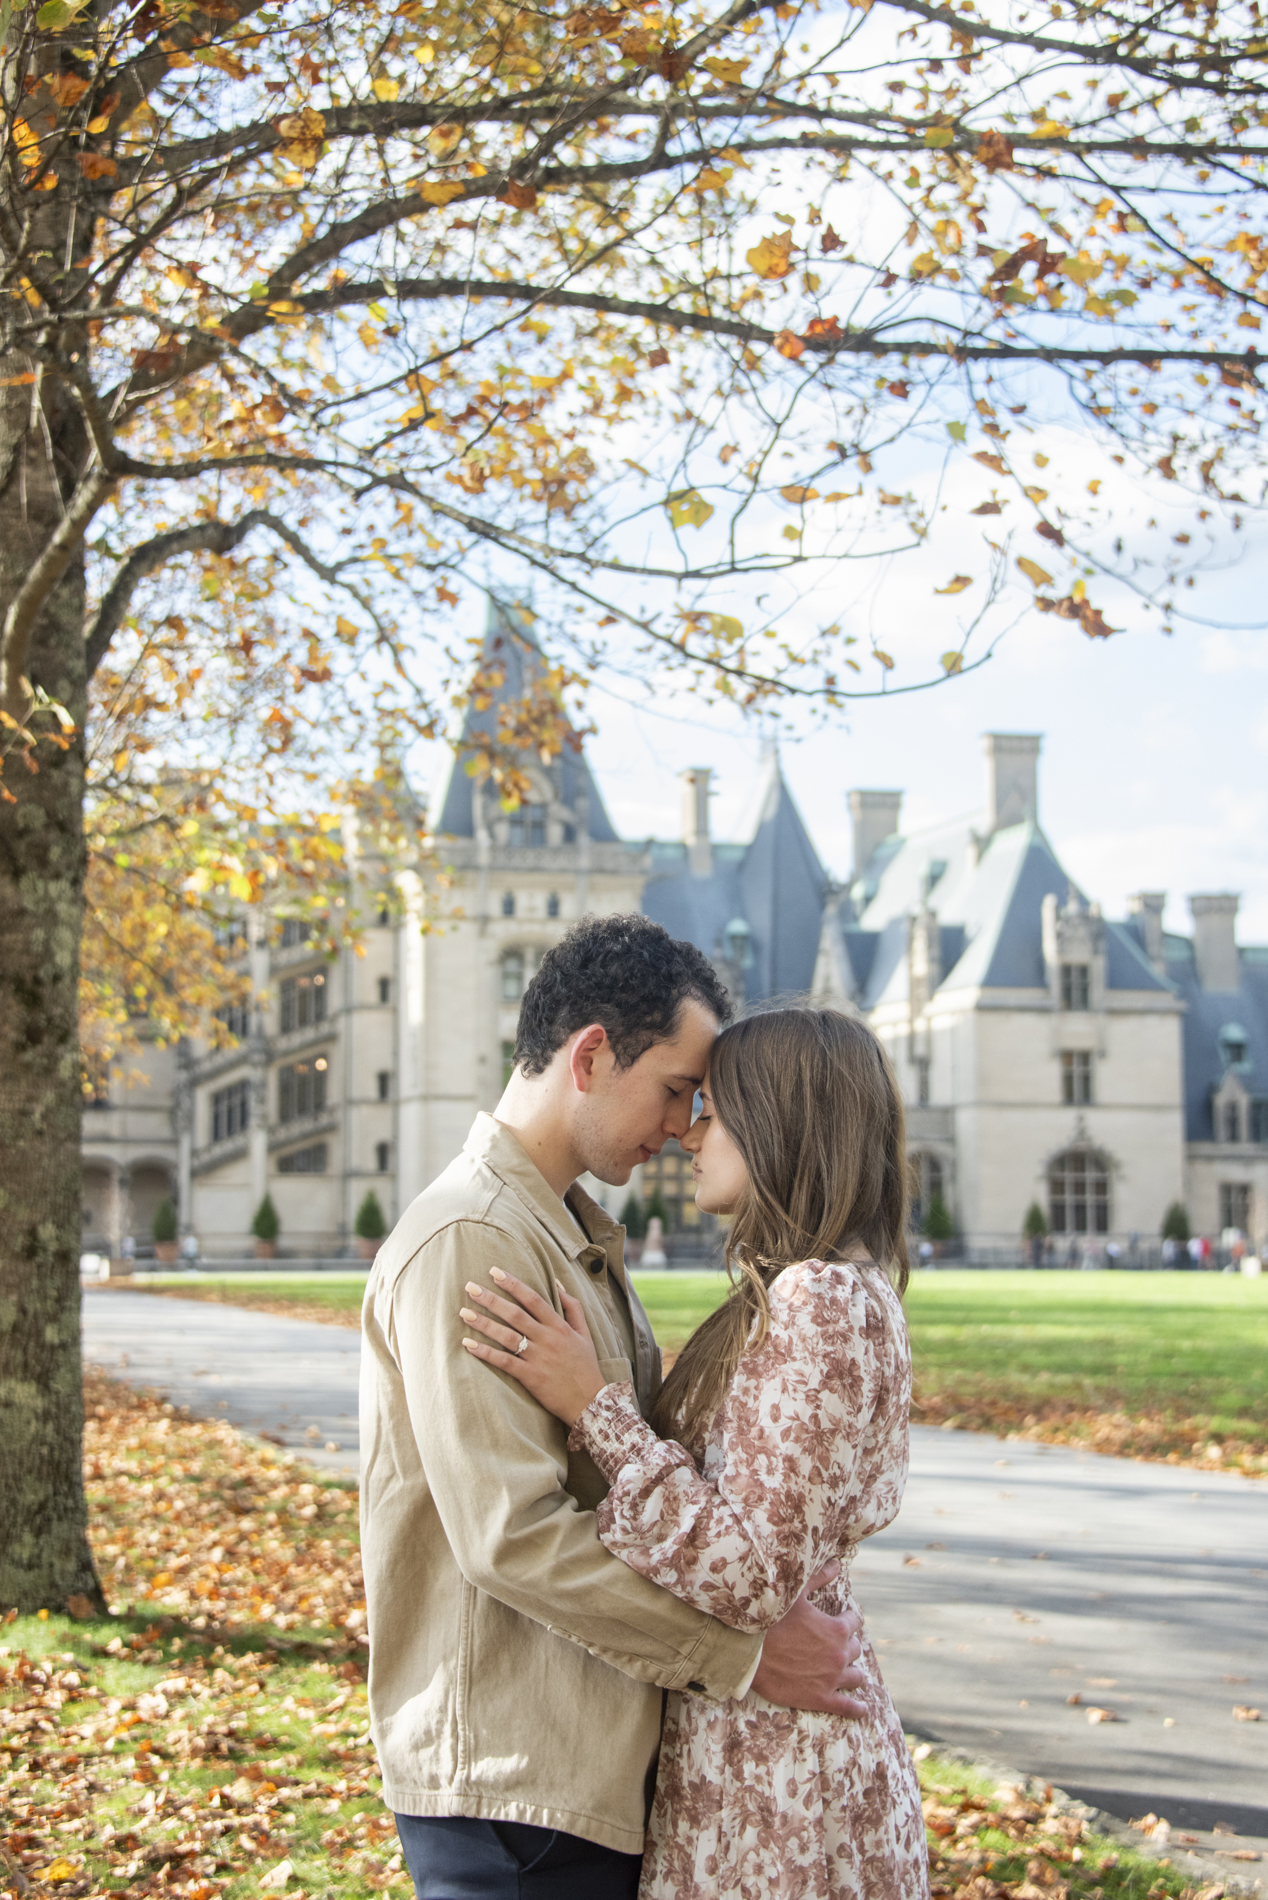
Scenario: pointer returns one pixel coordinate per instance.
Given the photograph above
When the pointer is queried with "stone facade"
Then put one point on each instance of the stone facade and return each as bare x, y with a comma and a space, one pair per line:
1047, 1054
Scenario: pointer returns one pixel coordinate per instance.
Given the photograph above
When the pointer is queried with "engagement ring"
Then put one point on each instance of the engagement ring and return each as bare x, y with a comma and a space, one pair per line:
523, 1345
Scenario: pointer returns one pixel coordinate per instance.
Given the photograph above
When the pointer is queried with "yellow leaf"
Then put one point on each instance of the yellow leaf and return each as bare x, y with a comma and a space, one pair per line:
60, 1869
1033, 571
1036, 494
1247, 322
729, 71
792, 534
687, 509
440, 191
771, 257
937, 135
956, 585
726, 627
345, 629
952, 662
794, 494
1052, 129
386, 89
1041, 461
221, 58
884, 659
369, 335
442, 139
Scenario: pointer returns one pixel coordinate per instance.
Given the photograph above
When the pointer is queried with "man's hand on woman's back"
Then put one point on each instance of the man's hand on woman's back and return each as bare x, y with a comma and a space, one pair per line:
808, 1659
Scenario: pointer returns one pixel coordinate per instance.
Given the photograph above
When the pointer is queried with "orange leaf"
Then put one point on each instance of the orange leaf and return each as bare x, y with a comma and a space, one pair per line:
97, 165
790, 345
522, 197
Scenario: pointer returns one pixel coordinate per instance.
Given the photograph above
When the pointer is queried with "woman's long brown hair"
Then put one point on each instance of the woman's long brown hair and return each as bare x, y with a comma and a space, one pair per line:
809, 1099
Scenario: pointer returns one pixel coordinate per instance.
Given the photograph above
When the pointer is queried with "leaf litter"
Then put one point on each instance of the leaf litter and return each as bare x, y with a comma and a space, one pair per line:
211, 1738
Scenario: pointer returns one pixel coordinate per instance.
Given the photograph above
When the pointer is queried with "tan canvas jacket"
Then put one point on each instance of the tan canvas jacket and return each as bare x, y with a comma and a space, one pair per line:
516, 1667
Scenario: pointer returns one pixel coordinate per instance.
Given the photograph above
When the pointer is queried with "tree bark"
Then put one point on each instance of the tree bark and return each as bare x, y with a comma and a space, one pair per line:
44, 1553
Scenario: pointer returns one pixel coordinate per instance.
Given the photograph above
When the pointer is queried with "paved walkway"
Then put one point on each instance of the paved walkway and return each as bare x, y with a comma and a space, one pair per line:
1017, 1575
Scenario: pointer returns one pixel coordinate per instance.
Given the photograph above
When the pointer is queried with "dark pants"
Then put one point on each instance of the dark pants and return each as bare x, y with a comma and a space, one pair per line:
452, 1858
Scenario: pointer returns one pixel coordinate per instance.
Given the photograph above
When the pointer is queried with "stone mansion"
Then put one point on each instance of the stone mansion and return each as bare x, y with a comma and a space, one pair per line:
1047, 1053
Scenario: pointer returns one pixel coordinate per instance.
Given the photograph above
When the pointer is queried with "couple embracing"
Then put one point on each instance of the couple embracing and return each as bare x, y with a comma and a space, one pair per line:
613, 1650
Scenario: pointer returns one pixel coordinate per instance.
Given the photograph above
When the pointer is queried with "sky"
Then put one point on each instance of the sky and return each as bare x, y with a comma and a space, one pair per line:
1153, 773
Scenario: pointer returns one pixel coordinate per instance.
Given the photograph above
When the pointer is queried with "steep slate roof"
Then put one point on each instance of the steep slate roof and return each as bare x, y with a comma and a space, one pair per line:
509, 643
989, 909
1206, 1013
774, 883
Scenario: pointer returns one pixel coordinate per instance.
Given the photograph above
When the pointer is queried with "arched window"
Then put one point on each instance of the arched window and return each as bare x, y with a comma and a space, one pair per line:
1232, 1122
512, 975
1079, 1193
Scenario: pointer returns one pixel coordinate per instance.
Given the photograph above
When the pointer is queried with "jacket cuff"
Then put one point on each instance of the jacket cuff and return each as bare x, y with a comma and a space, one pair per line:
612, 1430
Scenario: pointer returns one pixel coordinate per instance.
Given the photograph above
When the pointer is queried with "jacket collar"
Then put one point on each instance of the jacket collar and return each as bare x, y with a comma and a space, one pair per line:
492, 1143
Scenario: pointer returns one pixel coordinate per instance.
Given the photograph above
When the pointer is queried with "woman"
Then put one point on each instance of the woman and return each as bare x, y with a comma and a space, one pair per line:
782, 1442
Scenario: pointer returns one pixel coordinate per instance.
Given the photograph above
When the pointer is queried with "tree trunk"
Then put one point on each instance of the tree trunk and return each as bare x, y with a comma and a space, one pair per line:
44, 1553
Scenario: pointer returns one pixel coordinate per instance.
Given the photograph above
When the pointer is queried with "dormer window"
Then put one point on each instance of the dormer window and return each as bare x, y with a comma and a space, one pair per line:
527, 826
1076, 986
1231, 1122
1232, 1040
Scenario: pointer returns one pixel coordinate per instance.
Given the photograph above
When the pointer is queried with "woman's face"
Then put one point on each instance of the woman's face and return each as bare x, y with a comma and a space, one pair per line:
717, 1164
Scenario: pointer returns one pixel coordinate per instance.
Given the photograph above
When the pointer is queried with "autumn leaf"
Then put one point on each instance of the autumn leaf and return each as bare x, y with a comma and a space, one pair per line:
440, 191
656, 357
995, 462
67, 89
884, 659
1033, 571
824, 327
939, 135
831, 242
729, 71
789, 344
988, 508
446, 594
687, 509
795, 494
956, 431
222, 59
302, 134
56, 14
443, 139
522, 197
956, 585
771, 258
1036, 494
386, 89
96, 165
900, 389
952, 662
1047, 532
994, 152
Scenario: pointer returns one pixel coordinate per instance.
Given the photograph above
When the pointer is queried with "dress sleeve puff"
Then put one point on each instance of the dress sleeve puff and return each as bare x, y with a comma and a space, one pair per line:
742, 1543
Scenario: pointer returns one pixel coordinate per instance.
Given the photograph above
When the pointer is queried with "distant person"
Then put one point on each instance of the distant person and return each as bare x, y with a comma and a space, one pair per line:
516, 1664
1169, 1251
779, 1440
1195, 1250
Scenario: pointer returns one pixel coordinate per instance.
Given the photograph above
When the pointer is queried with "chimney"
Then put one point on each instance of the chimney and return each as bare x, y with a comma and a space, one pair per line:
875, 817
695, 820
1012, 778
1148, 907
1215, 940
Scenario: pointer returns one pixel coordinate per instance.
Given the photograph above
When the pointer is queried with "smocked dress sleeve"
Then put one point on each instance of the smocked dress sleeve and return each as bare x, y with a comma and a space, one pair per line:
742, 1540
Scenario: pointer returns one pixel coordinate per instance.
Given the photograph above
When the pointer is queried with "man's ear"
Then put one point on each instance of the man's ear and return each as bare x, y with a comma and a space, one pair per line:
585, 1056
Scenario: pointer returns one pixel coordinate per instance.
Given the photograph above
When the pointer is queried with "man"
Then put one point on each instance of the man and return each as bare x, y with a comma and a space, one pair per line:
516, 1668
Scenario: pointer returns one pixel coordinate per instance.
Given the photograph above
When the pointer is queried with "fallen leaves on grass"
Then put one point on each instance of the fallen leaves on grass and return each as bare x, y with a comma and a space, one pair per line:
1157, 1436
259, 1302
1011, 1845
212, 1738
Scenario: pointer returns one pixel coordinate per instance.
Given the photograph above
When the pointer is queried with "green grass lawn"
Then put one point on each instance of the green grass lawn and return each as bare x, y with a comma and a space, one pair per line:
1147, 1363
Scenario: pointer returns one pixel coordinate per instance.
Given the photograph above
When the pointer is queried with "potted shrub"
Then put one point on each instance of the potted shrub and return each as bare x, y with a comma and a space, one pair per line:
938, 1225
370, 1227
635, 1224
266, 1227
1175, 1223
163, 1228
1035, 1231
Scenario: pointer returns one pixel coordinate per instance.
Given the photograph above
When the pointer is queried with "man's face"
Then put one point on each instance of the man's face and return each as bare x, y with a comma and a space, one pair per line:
629, 1114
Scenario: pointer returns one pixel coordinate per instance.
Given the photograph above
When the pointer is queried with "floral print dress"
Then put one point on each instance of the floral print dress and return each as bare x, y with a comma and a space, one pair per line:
806, 1455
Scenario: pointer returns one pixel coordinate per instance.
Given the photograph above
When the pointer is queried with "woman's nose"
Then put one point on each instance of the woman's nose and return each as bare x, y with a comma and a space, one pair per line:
691, 1140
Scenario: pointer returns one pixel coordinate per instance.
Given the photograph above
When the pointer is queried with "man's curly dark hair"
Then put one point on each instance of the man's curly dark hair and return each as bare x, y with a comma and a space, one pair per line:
624, 972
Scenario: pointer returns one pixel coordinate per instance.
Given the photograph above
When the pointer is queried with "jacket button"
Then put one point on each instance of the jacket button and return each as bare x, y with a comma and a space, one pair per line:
596, 1266
697, 1688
